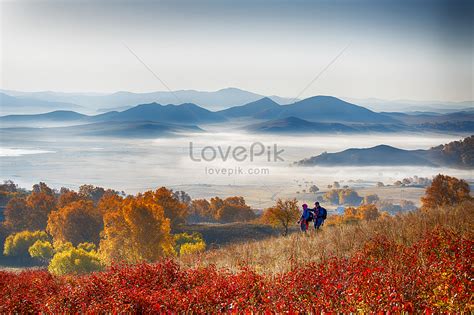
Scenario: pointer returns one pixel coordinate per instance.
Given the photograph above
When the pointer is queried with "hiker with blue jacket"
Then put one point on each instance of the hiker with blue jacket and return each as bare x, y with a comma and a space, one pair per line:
320, 214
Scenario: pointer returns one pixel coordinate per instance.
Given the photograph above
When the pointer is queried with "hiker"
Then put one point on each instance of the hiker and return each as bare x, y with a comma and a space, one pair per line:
305, 218
320, 214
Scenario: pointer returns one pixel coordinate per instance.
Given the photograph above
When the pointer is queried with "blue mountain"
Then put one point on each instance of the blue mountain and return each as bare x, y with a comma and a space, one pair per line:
325, 109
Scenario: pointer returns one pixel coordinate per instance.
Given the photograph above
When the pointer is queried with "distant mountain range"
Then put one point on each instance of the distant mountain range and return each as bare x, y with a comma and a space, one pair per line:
124, 129
457, 154
420, 118
298, 125
317, 108
90, 103
25, 105
411, 106
319, 114
94, 102
179, 114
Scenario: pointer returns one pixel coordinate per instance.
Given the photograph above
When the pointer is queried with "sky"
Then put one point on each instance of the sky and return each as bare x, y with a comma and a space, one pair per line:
419, 50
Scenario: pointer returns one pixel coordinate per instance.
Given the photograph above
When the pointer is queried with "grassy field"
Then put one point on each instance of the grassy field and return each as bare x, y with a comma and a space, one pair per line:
274, 254
218, 235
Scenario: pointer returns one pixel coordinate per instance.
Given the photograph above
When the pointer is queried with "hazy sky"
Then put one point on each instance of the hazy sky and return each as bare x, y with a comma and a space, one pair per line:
419, 50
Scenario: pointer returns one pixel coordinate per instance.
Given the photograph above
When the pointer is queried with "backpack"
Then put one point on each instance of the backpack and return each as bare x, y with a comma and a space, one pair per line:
324, 213
310, 216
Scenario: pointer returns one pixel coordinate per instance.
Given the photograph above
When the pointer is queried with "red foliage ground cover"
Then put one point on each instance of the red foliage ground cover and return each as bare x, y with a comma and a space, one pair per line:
435, 274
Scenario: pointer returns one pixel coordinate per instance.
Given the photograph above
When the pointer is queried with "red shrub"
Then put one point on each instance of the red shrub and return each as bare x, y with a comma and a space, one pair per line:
432, 275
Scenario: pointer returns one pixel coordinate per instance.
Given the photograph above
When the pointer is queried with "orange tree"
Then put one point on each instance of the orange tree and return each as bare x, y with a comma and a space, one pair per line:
445, 191
282, 214
77, 222
234, 209
174, 210
30, 213
67, 196
200, 210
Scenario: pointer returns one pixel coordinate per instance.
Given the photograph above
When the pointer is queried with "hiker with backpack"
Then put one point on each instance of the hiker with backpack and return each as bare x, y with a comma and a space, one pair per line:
305, 218
320, 214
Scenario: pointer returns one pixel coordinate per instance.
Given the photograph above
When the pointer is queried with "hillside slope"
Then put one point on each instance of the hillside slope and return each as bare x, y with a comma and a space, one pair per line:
458, 154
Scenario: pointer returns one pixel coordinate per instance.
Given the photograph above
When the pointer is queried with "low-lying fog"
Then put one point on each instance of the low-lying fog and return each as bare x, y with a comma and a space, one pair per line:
137, 165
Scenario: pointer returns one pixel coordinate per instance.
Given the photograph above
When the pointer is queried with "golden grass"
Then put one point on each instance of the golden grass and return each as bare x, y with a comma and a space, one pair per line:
279, 254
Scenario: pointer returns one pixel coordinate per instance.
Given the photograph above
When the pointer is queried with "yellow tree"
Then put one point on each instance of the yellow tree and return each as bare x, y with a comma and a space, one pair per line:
282, 214
137, 231
77, 222
445, 191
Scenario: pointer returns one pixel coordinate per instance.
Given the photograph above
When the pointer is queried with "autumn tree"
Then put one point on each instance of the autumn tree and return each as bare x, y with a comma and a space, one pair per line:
282, 214
182, 197
75, 261
234, 209
17, 244
16, 215
185, 243
445, 191
31, 212
137, 231
200, 210
41, 250
110, 202
368, 212
353, 215
8, 190
42, 188
92, 192
77, 222
67, 196
174, 210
